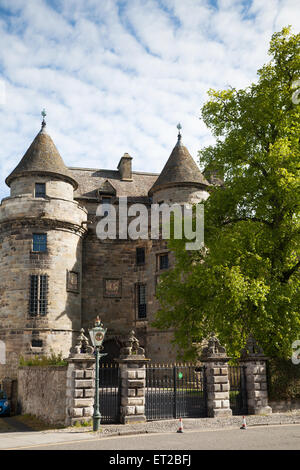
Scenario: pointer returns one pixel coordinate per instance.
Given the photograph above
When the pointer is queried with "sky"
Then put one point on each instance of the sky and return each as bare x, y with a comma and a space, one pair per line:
118, 76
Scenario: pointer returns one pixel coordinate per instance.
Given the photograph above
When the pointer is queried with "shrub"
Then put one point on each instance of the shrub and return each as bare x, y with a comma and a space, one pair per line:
52, 360
283, 379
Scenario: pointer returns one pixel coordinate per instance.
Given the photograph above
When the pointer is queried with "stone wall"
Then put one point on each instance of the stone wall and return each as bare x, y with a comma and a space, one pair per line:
282, 406
180, 194
42, 392
54, 187
116, 260
63, 318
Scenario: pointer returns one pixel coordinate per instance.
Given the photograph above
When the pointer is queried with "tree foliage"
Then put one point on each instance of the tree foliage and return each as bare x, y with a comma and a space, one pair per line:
247, 280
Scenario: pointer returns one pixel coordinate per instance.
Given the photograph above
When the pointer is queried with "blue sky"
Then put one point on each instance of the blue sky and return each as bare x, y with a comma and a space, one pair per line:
117, 76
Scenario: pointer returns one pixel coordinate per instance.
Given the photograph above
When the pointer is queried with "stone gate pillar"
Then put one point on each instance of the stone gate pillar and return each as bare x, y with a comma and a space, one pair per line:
80, 382
133, 380
215, 360
255, 362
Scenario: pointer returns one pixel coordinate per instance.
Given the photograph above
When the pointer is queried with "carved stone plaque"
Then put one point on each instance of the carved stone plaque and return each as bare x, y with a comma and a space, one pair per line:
112, 287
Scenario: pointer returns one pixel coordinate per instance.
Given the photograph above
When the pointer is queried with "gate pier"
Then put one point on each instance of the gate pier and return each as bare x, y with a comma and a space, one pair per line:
133, 380
216, 362
255, 364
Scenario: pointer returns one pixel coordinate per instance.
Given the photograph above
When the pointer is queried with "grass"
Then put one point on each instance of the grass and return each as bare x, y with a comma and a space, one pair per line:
83, 424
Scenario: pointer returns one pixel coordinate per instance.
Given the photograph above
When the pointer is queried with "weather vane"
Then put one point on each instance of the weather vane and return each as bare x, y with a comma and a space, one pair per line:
44, 114
179, 127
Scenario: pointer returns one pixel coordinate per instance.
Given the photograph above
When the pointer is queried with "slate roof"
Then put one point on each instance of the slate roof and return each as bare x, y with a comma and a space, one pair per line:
180, 168
42, 157
91, 180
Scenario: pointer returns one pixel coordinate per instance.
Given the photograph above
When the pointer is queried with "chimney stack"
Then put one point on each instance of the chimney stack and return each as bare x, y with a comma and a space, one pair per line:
124, 167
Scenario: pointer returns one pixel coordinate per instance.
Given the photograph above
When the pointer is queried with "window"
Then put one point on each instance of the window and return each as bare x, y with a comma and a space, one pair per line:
140, 256
38, 295
39, 242
40, 189
164, 261
106, 201
37, 343
141, 301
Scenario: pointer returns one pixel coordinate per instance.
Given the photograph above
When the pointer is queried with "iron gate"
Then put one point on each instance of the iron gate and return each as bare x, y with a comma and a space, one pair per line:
238, 390
175, 391
109, 393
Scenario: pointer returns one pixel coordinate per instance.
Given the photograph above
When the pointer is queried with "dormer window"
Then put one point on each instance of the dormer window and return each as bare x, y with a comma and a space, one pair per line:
40, 190
106, 201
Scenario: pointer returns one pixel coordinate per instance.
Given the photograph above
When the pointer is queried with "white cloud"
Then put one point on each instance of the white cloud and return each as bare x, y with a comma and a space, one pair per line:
117, 77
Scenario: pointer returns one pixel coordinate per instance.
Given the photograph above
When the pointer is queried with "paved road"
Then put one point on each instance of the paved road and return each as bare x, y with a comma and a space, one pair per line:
281, 437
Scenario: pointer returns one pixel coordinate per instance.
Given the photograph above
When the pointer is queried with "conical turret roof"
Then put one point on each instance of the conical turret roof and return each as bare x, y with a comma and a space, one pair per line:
180, 168
42, 157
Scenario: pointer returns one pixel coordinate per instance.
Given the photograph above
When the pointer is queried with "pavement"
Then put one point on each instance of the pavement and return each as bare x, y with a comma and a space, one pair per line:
123, 449
13, 438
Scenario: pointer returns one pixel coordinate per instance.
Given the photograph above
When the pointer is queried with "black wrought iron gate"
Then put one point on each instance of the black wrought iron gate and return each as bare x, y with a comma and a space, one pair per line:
109, 393
175, 391
238, 390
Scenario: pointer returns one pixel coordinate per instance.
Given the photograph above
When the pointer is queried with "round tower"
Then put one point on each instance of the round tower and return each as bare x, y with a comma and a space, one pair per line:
180, 180
41, 230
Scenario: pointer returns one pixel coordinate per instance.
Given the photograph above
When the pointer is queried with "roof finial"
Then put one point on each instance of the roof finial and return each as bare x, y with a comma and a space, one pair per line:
44, 114
179, 127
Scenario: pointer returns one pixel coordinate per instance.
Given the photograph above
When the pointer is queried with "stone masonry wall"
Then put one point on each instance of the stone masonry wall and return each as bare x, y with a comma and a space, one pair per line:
42, 392
54, 187
282, 406
64, 307
180, 194
116, 260
61, 220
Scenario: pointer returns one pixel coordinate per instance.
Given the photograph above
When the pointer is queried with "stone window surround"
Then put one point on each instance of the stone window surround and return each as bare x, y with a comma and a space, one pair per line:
156, 281
46, 242
140, 318
44, 193
106, 198
158, 255
143, 262
34, 304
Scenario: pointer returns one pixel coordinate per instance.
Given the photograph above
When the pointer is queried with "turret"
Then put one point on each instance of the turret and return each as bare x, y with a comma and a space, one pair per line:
180, 180
41, 230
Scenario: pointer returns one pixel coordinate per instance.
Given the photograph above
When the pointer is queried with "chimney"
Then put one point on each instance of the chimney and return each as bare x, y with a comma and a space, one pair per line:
124, 167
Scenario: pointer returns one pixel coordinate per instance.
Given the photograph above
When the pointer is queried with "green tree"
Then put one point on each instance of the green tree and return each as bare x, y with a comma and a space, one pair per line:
247, 280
